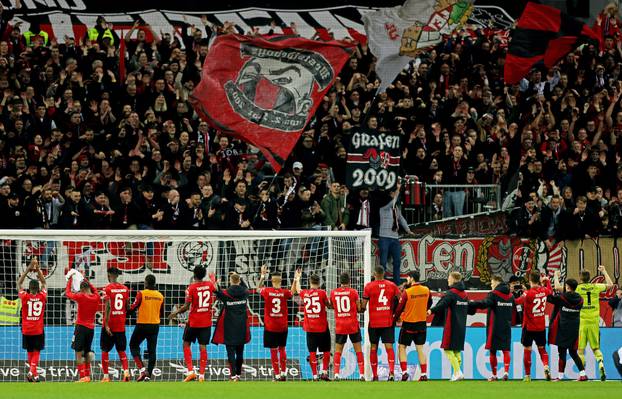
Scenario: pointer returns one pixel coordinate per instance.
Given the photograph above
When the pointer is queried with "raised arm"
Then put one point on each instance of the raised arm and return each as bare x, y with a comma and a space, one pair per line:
262, 277
296, 282
22, 277
182, 309
556, 282
68, 292
608, 280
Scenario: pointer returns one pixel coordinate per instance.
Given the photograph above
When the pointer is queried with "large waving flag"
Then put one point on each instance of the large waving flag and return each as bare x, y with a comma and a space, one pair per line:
543, 35
397, 34
264, 91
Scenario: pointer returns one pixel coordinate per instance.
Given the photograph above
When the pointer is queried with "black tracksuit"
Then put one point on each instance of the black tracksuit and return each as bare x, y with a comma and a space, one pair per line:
232, 328
500, 305
564, 327
455, 305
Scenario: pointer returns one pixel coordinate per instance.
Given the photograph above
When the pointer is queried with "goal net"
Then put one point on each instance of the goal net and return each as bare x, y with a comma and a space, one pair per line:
171, 257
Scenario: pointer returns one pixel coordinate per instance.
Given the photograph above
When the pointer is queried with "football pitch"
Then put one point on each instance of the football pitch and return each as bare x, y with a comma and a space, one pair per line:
315, 390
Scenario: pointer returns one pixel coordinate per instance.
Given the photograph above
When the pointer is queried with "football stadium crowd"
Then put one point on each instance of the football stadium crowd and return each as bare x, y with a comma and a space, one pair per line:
87, 141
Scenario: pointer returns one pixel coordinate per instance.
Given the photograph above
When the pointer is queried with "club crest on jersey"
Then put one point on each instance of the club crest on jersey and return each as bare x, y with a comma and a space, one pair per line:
274, 86
195, 253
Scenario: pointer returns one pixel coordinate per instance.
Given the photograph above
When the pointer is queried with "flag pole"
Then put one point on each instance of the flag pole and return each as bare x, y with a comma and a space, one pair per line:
371, 106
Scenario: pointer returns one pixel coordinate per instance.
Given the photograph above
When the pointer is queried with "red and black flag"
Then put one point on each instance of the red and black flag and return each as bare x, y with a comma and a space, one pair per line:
264, 91
543, 35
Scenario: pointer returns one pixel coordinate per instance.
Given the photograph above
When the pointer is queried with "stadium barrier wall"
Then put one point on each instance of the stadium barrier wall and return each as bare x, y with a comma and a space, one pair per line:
57, 362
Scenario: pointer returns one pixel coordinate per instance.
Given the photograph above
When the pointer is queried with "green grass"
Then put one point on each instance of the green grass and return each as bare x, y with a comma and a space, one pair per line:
315, 390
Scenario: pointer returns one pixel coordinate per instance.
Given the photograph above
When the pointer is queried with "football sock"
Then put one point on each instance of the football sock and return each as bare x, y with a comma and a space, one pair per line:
87, 369
493, 362
29, 357
527, 361
283, 359
202, 360
577, 360
506, 361
453, 360
598, 355
544, 356
34, 361
81, 370
582, 356
404, 366
373, 360
326, 362
274, 358
459, 357
337, 362
391, 360
123, 358
105, 362
139, 363
424, 368
188, 358
361, 361
313, 363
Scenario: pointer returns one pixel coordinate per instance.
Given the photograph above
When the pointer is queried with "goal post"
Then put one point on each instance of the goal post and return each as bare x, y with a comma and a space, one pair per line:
171, 256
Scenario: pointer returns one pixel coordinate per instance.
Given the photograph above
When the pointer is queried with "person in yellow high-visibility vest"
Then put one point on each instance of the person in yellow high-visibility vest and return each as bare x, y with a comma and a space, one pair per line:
36, 33
102, 33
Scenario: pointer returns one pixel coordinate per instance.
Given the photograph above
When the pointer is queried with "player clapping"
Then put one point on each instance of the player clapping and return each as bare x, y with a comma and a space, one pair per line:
533, 302
564, 327
455, 305
199, 299
315, 322
275, 321
116, 297
33, 311
88, 301
345, 302
500, 305
412, 309
382, 296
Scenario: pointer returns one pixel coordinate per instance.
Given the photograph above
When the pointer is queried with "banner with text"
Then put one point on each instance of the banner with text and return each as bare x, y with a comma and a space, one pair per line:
373, 159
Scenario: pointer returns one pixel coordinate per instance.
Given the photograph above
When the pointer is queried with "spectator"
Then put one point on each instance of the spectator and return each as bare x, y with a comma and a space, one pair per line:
335, 208
44, 208
74, 214
127, 215
101, 212
454, 173
13, 213
554, 220
391, 220
526, 220
583, 223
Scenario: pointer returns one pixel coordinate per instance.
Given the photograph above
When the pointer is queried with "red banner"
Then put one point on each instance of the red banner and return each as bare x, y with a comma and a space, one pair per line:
264, 91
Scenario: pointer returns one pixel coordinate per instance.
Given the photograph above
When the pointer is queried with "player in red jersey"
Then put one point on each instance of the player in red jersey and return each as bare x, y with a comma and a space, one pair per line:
315, 324
345, 302
199, 299
382, 296
533, 302
116, 297
33, 311
275, 321
88, 301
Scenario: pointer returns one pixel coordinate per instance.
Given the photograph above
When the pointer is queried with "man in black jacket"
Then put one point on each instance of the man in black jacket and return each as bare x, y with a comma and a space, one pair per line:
554, 221
583, 223
74, 213
500, 305
232, 327
564, 327
525, 221
455, 305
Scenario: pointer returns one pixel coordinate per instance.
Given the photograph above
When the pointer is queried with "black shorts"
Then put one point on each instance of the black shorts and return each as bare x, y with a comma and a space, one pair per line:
318, 341
117, 340
82, 339
529, 337
273, 339
341, 339
194, 334
413, 332
387, 334
33, 343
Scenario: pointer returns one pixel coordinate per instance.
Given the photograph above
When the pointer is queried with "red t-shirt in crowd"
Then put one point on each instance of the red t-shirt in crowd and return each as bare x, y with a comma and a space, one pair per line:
33, 311
200, 296
275, 308
314, 304
344, 300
